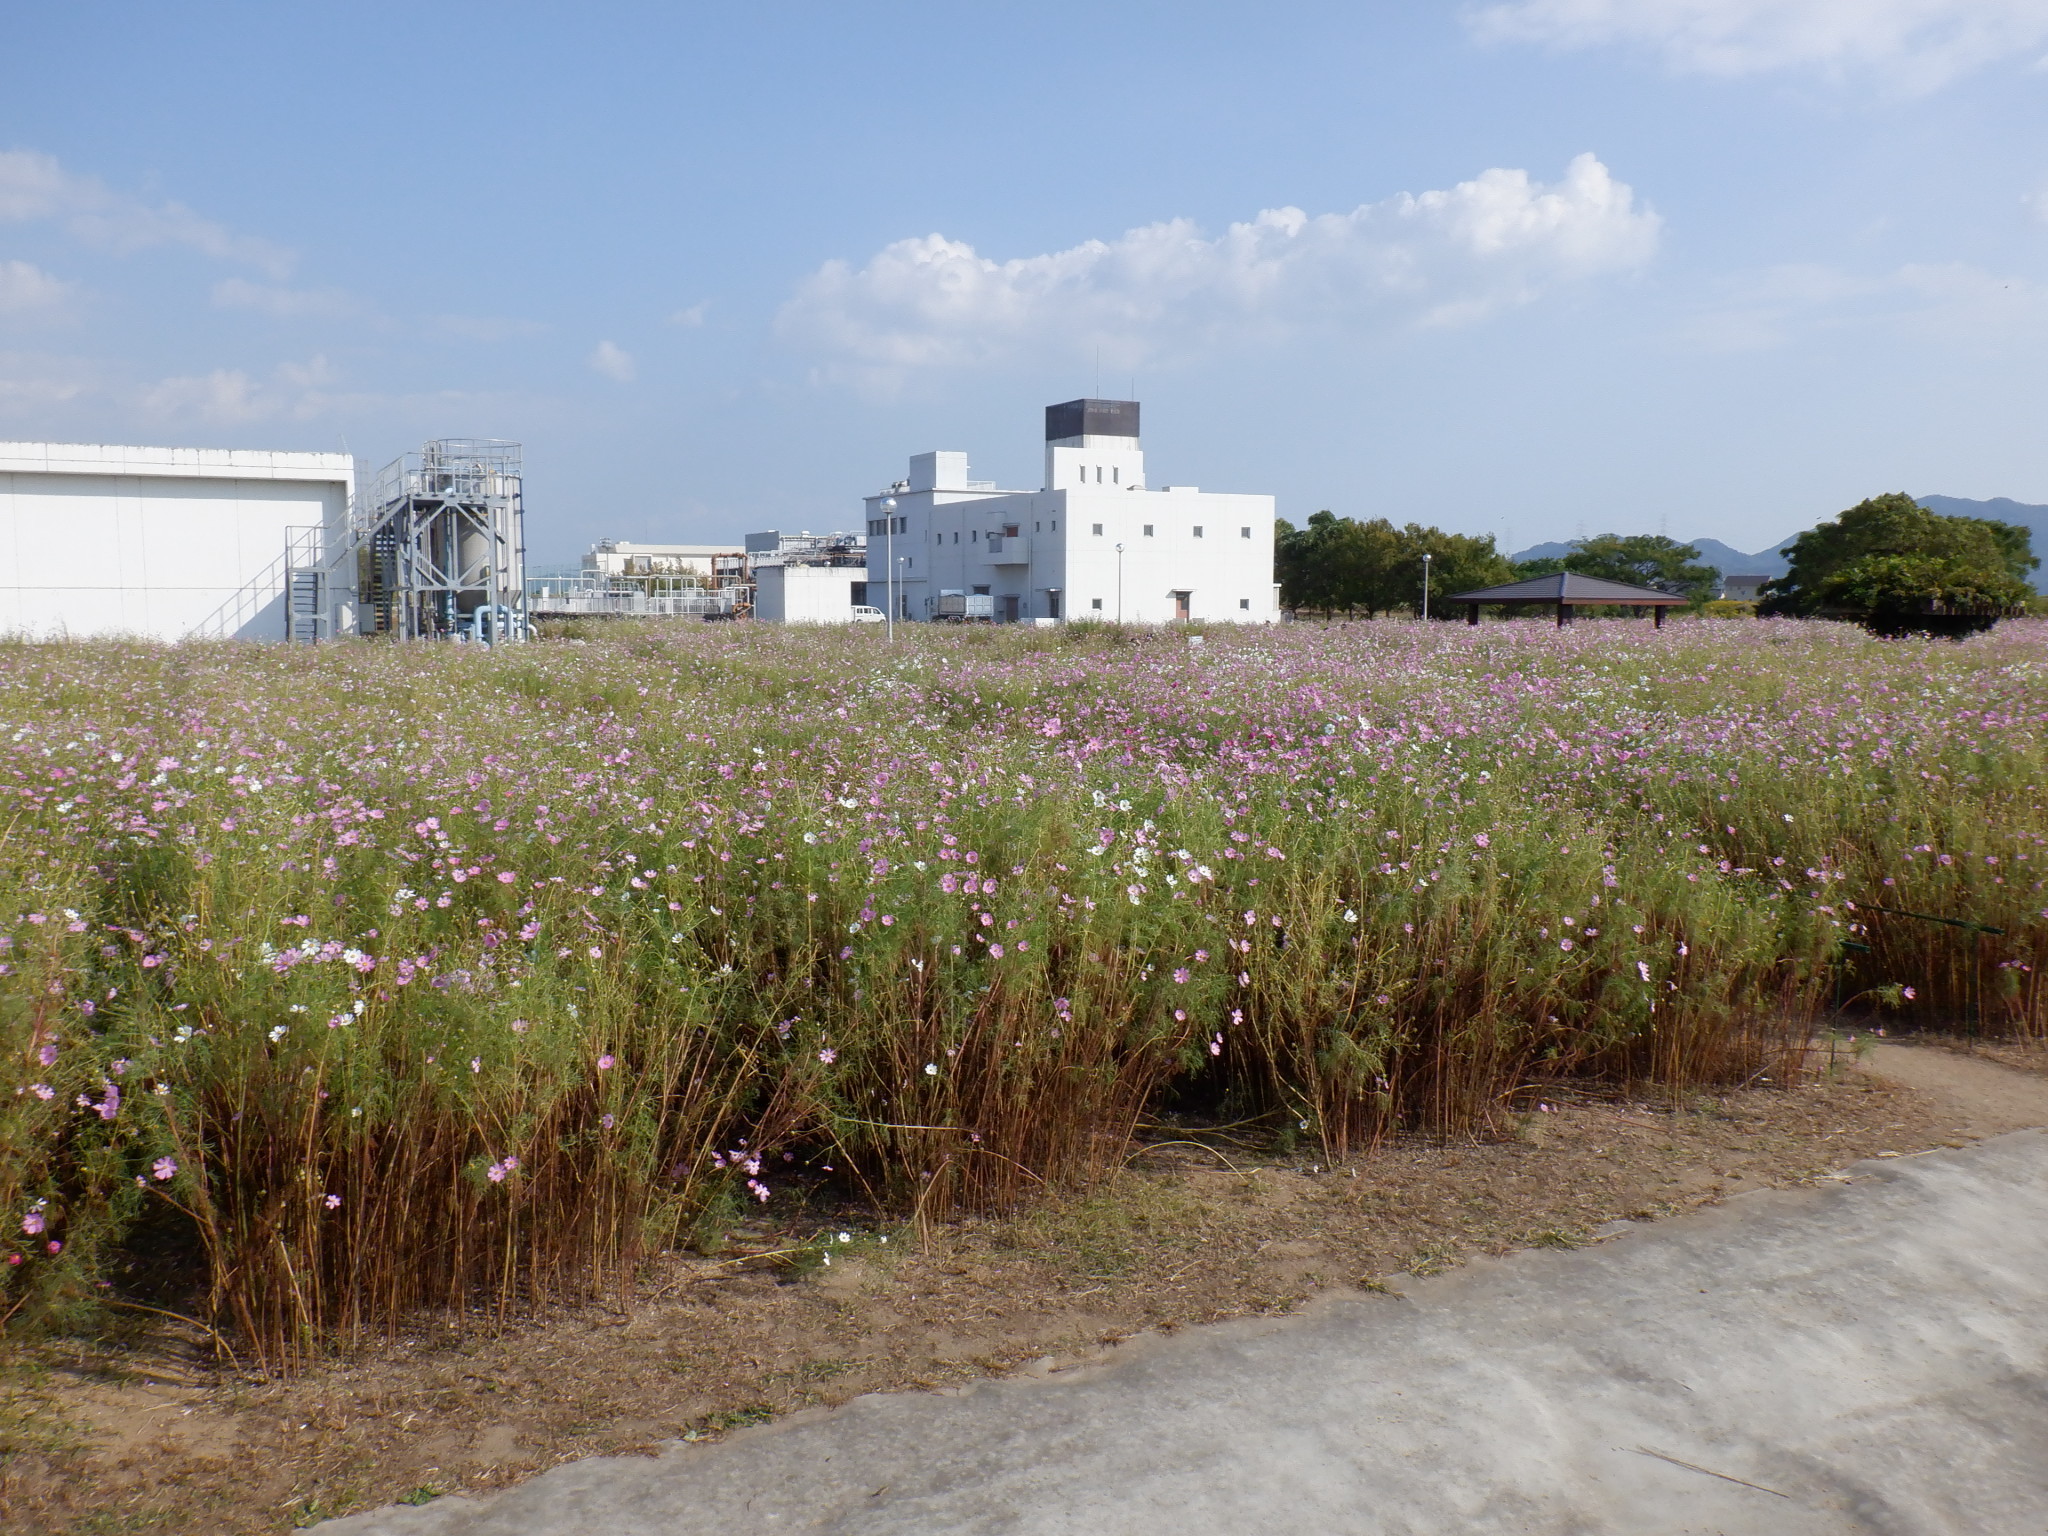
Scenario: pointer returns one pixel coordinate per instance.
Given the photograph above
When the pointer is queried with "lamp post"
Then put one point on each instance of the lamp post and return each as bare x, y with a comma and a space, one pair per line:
1425, 583
889, 560
1119, 583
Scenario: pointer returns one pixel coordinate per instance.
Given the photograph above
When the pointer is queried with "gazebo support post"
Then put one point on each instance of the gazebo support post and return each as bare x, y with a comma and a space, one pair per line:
1471, 613
1657, 620
1564, 614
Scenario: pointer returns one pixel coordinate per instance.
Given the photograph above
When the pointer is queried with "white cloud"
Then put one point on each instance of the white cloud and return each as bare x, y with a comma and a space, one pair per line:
29, 290
283, 303
689, 318
225, 397
614, 362
1945, 305
30, 382
1915, 45
34, 186
1440, 258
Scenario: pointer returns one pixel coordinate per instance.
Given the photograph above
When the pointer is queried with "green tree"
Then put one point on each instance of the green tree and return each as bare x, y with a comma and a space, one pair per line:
1459, 562
1337, 563
1638, 559
1646, 560
1890, 555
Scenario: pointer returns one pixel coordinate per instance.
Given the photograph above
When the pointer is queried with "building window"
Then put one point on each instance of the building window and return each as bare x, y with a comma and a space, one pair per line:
1098, 474
981, 591
1244, 602
956, 535
1056, 526
1116, 477
910, 562
1148, 530
1038, 527
1095, 603
974, 537
1098, 534
1244, 533
1198, 530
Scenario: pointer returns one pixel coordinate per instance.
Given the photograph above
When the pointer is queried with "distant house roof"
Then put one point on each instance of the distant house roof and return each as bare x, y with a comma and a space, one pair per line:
1569, 587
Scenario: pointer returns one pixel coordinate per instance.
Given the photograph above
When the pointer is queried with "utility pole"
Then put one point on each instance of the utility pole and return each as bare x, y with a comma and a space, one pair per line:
889, 566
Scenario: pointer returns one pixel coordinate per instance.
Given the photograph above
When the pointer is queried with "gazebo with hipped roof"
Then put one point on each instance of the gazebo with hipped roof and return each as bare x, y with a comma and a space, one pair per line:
1568, 590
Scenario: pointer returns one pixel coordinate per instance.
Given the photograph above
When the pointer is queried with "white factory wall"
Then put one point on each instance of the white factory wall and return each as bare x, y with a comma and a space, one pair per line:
806, 594
159, 543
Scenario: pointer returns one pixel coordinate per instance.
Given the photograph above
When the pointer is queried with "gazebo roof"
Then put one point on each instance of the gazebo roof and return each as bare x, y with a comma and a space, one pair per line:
1569, 587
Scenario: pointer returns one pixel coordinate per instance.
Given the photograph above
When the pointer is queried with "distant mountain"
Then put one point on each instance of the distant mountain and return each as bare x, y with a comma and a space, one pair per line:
1722, 557
2005, 510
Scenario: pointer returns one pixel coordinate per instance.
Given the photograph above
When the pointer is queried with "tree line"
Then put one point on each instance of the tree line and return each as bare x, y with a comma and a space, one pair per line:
1886, 562
1341, 565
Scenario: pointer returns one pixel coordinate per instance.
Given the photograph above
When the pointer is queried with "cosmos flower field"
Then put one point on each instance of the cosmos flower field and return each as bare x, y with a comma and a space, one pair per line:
346, 981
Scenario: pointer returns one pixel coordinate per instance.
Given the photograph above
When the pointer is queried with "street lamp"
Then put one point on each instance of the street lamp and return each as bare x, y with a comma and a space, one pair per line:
1425, 583
889, 560
1119, 583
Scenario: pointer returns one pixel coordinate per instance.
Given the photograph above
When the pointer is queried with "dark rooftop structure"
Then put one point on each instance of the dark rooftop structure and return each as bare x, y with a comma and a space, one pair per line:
1569, 590
1091, 418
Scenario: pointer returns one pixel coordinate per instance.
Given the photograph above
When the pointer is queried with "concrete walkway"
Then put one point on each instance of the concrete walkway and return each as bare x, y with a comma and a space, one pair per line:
1869, 1356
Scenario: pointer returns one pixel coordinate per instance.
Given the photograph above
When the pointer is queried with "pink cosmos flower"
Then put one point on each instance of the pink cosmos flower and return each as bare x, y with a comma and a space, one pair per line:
606, 1062
32, 1223
164, 1169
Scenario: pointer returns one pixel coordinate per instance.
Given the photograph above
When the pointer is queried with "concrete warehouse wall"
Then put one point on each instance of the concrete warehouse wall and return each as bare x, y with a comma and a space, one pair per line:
160, 543
806, 594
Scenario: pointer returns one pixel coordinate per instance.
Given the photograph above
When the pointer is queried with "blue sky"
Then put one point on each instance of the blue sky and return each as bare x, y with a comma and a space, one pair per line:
1714, 267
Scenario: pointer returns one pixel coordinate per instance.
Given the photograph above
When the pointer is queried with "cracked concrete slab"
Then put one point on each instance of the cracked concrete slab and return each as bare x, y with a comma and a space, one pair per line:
1866, 1356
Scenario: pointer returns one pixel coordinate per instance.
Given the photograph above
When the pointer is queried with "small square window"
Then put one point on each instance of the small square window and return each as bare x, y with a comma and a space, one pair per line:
1148, 530
1198, 530
1098, 534
1095, 603
1244, 602
1244, 533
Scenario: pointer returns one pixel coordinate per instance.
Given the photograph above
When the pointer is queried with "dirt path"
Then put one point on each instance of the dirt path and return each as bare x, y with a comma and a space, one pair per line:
1862, 1358
1979, 1097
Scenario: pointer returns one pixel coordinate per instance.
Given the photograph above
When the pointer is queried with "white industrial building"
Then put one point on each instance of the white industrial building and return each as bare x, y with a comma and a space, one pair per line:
807, 578
618, 557
161, 543
1097, 542
244, 544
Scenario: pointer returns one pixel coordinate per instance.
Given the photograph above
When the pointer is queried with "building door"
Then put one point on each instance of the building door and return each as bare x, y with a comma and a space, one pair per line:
1052, 602
1182, 601
1009, 607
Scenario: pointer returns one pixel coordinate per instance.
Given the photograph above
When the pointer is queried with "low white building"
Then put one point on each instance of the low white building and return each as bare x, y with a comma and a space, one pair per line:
162, 543
808, 594
1096, 542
